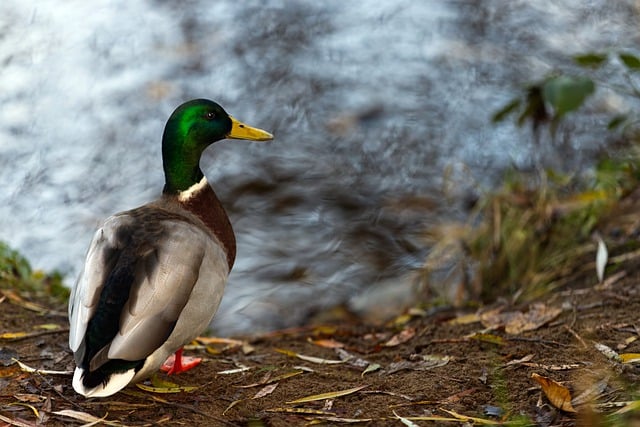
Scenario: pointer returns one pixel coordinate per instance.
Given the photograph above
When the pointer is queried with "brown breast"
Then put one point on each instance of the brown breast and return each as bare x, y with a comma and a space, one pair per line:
205, 205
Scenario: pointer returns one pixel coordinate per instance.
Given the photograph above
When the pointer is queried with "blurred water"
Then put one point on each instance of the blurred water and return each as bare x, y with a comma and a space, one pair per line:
380, 111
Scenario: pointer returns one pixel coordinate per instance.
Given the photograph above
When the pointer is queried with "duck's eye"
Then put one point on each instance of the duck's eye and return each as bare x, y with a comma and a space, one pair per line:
210, 115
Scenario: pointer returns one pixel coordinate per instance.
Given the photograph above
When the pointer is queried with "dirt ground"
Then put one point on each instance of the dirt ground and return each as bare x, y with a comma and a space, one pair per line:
422, 368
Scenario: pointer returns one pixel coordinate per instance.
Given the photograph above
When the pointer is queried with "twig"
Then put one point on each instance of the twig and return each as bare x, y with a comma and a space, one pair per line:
538, 340
575, 334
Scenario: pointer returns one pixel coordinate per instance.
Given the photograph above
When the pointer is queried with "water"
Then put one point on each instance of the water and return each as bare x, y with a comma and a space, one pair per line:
381, 116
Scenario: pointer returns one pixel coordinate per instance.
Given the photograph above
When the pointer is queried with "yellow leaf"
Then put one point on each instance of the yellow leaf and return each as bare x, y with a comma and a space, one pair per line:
490, 338
48, 327
465, 319
466, 418
307, 411
177, 389
13, 335
630, 357
558, 395
26, 405
159, 385
324, 396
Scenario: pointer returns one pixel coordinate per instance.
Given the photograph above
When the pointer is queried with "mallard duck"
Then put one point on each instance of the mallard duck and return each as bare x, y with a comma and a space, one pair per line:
154, 276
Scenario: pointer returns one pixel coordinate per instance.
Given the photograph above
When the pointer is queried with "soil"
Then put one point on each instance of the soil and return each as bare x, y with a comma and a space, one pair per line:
425, 368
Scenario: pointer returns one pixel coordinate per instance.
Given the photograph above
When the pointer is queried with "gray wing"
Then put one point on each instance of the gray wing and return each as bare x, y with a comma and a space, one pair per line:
170, 264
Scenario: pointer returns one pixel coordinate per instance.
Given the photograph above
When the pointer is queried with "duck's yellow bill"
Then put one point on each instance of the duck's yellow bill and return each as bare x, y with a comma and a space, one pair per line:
241, 131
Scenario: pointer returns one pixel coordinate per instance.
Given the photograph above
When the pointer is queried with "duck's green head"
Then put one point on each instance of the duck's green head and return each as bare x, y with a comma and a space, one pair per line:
192, 127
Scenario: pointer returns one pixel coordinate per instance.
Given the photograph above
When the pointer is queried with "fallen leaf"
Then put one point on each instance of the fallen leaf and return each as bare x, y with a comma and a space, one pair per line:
602, 256
326, 343
371, 368
18, 300
526, 358
32, 398
31, 370
607, 351
159, 385
265, 391
13, 422
627, 341
401, 337
307, 411
311, 359
630, 357
466, 418
238, 370
352, 360
88, 418
516, 322
405, 421
48, 327
465, 319
26, 405
324, 396
13, 335
231, 405
558, 395
217, 340
347, 420
490, 338
418, 363
538, 315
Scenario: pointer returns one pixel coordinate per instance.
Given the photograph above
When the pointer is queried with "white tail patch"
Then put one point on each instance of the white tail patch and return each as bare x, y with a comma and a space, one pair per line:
194, 189
115, 383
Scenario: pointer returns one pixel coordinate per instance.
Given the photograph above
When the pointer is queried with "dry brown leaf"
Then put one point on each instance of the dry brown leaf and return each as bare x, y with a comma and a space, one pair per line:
538, 315
525, 359
516, 322
18, 300
326, 343
265, 391
14, 422
401, 337
558, 395
418, 363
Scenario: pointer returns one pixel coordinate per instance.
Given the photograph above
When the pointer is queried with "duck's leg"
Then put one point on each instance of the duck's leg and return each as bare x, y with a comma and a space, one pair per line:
176, 363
